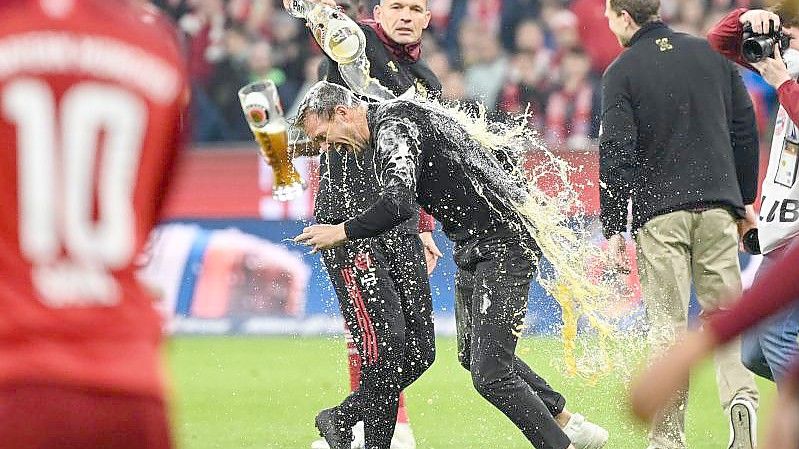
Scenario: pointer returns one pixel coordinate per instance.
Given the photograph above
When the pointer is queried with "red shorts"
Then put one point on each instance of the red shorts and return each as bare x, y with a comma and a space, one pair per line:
44, 417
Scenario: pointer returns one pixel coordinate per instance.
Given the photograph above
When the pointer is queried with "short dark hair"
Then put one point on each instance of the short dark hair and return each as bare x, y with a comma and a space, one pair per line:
788, 10
321, 100
642, 11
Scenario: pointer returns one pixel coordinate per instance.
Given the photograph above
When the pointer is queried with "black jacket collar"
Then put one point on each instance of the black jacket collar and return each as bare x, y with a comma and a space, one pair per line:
649, 27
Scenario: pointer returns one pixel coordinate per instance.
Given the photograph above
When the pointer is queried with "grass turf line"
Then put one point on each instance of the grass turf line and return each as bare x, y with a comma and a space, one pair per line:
242, 393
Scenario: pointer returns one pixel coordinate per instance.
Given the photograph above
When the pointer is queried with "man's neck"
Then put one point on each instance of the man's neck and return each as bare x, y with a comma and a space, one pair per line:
644, 29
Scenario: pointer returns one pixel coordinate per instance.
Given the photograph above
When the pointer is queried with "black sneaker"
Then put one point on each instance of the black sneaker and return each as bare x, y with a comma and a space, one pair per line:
337, 434
743, 425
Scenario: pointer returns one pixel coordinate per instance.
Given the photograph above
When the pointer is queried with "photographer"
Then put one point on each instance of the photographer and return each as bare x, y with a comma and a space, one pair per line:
769, 349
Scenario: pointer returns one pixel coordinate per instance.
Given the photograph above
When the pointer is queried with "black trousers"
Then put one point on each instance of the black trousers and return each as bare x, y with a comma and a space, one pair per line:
492, 285
384, 295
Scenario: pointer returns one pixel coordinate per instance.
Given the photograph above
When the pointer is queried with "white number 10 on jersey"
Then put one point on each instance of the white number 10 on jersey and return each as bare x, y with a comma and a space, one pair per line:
60, 167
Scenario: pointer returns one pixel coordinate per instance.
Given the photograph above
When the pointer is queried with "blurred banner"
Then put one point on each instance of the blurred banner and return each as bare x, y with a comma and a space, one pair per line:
223, 263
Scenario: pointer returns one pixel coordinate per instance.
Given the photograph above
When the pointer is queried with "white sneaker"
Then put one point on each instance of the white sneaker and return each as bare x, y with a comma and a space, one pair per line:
585, 434
743, 425
403, 437
320, 444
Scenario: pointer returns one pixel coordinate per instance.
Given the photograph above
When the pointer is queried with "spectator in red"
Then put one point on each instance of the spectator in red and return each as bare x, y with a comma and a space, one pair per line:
562, 28
230, 73
205, 28
568, 113
529, 80
599, 43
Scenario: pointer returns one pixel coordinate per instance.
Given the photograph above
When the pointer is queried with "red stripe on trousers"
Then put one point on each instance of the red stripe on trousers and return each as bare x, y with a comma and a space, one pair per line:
349, 283
368, 328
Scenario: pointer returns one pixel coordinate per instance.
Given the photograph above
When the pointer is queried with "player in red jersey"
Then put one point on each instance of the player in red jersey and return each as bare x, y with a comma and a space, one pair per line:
91, 96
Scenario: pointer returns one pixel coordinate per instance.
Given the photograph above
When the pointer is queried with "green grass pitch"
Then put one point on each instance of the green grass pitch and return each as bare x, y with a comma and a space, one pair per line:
248, 393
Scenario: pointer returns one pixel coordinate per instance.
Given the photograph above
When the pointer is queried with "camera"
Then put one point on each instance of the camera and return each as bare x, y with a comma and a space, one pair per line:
757, 47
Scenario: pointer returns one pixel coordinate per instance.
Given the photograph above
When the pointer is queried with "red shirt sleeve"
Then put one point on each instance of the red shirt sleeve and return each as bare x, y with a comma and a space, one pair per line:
788, 94
426, 222
772, 292
725, 37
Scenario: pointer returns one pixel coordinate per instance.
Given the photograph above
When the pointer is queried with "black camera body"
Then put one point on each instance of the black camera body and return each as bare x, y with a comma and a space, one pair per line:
757, 47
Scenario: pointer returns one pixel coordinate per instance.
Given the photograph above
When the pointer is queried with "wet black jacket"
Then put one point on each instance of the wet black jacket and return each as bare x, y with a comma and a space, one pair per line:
347, 181
678, 130
425, 156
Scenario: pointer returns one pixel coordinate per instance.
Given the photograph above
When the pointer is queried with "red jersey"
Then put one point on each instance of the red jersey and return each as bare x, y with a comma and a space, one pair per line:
91, 96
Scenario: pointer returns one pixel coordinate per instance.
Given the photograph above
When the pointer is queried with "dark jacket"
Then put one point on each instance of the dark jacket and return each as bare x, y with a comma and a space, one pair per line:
678, 131
424, 156
347, 181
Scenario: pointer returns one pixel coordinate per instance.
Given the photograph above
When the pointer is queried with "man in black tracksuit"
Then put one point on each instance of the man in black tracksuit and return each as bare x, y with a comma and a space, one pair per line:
382, 282
424, 156
679, 139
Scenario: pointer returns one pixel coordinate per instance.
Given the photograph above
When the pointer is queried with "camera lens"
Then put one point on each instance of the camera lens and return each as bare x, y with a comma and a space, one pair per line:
758, 48
751, 241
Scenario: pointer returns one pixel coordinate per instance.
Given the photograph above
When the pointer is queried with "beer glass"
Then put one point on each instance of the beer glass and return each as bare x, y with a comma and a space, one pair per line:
338, 35
344, 42
264, 114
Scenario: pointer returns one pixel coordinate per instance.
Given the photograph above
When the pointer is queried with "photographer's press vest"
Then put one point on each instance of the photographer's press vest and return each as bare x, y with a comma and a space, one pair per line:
779, 208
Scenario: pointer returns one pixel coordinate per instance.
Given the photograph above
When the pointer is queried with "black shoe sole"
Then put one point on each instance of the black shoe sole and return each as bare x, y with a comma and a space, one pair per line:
741, 420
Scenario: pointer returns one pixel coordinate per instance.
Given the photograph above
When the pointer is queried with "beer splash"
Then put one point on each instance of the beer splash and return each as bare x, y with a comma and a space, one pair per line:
581, 281
564, 241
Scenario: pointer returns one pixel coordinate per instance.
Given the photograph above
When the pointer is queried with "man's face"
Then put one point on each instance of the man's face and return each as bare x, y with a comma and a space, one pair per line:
403, 20
351, 8
794, 33
342, 129
618, 24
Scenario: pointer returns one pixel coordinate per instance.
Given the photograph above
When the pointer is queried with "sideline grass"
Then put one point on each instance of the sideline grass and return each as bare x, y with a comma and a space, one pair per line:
242, 393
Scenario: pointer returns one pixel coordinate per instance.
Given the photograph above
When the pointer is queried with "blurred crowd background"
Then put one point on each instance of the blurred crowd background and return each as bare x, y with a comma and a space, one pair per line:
543, 56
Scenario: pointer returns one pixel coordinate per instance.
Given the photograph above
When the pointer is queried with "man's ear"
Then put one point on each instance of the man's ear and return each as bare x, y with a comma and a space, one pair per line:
341, 111
629, 19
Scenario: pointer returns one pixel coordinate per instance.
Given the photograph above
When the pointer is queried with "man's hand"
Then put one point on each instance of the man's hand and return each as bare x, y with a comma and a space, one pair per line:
745, 224
773, 70
431, 251
760, 20
617, 254
322, 236
655, 387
